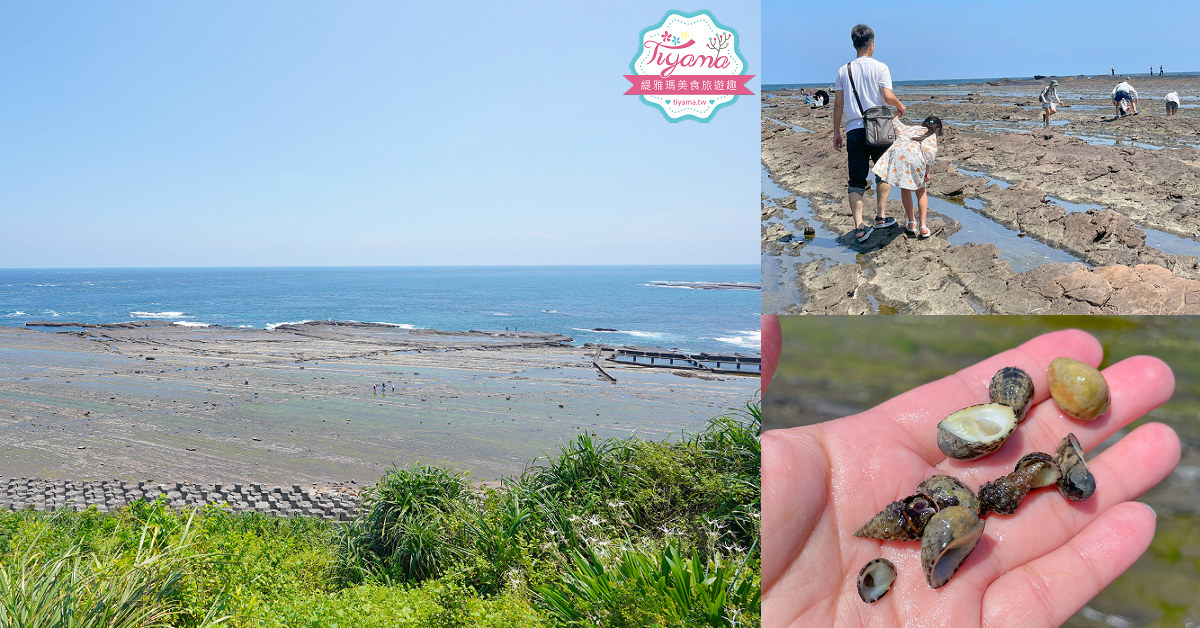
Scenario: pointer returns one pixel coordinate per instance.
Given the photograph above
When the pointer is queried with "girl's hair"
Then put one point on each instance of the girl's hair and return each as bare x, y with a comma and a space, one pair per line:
933, 125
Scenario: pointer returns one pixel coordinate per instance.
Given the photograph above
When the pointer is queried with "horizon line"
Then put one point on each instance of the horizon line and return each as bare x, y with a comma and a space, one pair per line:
259, 267
765, 82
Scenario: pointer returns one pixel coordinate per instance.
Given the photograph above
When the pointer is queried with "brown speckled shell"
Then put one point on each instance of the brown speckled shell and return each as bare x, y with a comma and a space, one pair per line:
947, 491
949, 538
1004, 495
901, 520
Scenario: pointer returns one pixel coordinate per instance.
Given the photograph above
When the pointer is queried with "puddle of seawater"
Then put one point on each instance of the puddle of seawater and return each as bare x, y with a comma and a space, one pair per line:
1109, 141
1166, 242
824, 244
1004, 185
1021, 253
795, 127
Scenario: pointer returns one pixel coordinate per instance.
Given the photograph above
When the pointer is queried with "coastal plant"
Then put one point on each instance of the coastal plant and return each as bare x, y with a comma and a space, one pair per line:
79, 589
409, 527
652, 588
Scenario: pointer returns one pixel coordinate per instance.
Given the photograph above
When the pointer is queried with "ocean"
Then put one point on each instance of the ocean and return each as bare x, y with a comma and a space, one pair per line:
649, 306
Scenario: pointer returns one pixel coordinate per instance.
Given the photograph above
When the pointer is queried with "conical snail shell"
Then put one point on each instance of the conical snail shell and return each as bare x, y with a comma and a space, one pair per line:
901, 520
948, 539
1048, 471
1004, 495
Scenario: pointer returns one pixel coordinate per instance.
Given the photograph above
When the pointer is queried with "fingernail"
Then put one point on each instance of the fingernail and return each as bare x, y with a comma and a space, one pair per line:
1150, 509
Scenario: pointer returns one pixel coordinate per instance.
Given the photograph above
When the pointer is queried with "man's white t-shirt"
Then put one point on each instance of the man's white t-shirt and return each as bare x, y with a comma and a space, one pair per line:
870, 76
1173, 97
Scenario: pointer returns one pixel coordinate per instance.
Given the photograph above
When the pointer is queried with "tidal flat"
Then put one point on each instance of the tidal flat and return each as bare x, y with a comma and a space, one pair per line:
324, 404
1094, 215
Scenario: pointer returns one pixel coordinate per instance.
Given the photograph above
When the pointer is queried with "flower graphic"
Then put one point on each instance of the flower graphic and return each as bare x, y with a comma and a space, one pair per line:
666, 35
683, 35
675, 40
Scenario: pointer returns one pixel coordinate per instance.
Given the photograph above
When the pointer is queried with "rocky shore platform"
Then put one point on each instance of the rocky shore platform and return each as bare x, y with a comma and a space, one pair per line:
328, 406
1127, 216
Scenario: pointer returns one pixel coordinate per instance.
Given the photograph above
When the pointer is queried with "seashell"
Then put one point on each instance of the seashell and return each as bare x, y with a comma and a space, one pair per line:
976, 431
1078, 389
875, 579
1048, 470
947, 541
1012, 387
947, 491
1076, 482
1004, 495
901, 520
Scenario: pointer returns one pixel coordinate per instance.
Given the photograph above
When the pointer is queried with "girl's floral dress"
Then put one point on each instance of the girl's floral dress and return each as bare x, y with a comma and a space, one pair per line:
906, 161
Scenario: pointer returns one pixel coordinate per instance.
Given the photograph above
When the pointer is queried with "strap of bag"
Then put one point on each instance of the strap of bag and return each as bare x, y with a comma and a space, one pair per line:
850, 75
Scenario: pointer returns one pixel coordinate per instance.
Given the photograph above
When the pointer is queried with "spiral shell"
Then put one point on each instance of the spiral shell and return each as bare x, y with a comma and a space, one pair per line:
976, 431
1076, 482
1012, 387
901, 520
947, 541
875, 579
1048, 471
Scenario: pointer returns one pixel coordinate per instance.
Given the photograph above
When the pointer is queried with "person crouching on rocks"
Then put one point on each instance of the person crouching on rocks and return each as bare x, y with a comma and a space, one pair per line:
1125, 91
906, 164
1047, 98
1172, 103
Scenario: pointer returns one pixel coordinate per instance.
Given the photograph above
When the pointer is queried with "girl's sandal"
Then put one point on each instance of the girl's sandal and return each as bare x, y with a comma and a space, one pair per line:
910, 228
924, 233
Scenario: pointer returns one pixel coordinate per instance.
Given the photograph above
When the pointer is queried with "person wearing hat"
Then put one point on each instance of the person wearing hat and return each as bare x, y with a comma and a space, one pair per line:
1047, 98
1125, 91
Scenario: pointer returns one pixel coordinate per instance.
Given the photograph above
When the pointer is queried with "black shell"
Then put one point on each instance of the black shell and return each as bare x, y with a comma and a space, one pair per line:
1076, 482
1012, 387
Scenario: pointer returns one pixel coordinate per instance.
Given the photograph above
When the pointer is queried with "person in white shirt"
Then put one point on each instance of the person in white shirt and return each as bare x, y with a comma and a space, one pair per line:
1124, 91
873, 82
1172, 103
1047, 98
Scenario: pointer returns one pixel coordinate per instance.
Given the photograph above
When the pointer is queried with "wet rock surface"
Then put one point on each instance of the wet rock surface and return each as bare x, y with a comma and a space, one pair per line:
1119, 272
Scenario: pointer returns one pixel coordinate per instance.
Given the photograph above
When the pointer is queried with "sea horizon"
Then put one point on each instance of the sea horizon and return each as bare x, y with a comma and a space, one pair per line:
661, 306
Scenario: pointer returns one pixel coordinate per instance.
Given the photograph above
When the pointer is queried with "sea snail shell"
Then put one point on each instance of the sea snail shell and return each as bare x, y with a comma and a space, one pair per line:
875, 579
948, 540
976, 431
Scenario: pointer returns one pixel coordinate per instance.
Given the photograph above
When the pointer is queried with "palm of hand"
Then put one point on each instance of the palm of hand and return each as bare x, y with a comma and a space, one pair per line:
1037, 567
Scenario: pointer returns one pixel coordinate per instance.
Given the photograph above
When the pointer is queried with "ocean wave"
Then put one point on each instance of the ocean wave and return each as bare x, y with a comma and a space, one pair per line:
190, 324
630, 332
751, 339
17, 313
156, 314
497, 313
274, 325
397, 325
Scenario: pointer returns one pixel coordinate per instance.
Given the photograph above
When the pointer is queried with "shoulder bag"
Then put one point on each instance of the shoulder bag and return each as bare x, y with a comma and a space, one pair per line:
877, 121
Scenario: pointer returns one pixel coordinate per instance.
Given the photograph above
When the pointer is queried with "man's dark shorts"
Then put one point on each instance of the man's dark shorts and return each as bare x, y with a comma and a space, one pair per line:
859, 157
1119, 96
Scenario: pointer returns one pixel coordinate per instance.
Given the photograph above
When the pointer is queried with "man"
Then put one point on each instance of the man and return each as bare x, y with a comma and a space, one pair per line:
1047, 98
873, 82
1125, 91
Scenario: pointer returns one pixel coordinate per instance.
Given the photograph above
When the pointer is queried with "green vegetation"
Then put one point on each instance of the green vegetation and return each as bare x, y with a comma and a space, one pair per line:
620, 532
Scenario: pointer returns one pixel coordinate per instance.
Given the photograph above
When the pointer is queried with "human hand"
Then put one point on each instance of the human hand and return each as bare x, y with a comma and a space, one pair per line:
837, 139
1037, 567
900, 108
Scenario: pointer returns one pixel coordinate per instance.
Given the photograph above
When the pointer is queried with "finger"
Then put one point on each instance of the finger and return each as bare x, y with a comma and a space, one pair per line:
795, 481
1046, 520
1048, 590
918, 411
772, 345
1137, 385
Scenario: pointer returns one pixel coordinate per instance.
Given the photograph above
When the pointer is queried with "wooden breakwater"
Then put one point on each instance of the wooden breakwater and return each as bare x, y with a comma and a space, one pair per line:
715, 363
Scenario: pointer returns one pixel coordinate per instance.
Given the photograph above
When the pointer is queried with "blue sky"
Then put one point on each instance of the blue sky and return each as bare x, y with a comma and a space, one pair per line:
805, 42
364, 133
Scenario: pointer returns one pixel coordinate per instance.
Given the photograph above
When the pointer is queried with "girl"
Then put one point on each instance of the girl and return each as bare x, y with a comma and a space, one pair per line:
906, 164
